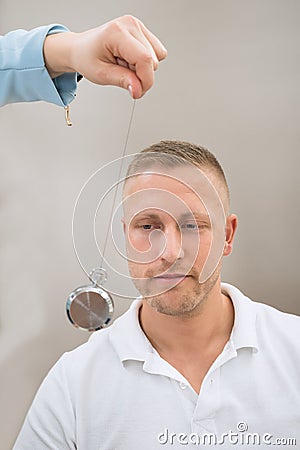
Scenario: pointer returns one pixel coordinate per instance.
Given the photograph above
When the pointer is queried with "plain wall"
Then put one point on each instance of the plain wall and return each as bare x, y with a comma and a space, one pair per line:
230, 82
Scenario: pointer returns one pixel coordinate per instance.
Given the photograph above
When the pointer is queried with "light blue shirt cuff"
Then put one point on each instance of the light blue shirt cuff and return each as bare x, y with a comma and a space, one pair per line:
23, 75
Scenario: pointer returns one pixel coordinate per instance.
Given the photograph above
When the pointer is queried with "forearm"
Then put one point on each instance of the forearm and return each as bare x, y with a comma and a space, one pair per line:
42, 64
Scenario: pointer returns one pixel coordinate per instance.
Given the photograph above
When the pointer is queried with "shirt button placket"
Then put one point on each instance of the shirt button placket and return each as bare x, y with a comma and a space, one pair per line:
207, 405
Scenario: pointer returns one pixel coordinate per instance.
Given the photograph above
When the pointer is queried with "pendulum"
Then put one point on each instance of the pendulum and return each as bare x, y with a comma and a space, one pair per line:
91, 307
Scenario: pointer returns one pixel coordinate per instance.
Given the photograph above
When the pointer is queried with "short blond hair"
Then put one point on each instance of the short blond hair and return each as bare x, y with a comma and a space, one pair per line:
172, 153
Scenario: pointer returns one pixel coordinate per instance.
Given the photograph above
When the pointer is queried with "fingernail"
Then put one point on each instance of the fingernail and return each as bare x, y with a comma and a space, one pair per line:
130, 90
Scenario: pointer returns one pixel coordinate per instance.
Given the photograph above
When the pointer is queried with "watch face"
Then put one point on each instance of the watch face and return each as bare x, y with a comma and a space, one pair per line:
90, 308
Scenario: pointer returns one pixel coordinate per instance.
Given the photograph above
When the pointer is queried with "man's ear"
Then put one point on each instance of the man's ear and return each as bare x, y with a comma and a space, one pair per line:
231, 226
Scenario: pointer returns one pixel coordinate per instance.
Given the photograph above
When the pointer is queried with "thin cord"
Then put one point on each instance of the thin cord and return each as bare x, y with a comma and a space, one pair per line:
118, 180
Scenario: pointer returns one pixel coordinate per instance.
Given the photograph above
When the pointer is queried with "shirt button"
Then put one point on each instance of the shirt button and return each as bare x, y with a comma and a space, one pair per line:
182, 385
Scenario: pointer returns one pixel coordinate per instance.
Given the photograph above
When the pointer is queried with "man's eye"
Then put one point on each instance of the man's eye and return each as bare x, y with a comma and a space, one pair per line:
189, 226
147, 226
193, 226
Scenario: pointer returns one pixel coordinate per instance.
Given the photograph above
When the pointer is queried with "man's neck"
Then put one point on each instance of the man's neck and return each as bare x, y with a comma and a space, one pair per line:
189, 335
191, 344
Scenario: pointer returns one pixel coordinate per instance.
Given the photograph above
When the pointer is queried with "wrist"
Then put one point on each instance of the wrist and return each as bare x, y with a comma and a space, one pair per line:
58, 51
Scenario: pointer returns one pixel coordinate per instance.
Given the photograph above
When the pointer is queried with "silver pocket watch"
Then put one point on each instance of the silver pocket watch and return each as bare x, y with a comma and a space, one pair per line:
91, 307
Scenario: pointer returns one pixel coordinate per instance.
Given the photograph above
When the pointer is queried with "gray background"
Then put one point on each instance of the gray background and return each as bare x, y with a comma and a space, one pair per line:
231, 83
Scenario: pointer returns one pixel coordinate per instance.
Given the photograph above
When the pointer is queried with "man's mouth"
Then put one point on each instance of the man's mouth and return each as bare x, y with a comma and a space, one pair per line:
171, 277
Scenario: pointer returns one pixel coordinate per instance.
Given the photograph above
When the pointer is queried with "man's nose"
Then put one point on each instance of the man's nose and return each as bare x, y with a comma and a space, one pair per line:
173, 249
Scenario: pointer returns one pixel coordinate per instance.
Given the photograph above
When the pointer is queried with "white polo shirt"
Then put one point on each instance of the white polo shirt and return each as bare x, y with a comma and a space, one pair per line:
116, 393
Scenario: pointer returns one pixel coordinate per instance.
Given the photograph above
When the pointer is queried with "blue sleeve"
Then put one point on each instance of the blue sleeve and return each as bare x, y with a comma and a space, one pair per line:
23, 75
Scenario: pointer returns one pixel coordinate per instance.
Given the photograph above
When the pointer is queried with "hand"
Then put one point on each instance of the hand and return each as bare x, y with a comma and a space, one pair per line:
122, 53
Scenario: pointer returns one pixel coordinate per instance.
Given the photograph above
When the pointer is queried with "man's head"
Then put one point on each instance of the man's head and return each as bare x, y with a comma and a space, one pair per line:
176, 222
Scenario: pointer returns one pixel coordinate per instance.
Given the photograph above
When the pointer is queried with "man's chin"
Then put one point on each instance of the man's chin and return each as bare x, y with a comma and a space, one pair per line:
181, 300
172, 303
170, 309
160, 288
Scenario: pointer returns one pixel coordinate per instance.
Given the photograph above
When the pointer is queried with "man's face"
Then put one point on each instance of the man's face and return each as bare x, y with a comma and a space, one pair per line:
175, 233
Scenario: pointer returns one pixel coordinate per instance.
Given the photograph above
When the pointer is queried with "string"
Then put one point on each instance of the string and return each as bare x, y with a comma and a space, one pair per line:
118, 180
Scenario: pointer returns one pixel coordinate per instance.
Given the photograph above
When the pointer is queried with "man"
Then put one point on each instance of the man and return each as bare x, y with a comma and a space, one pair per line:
43, 63
193, 361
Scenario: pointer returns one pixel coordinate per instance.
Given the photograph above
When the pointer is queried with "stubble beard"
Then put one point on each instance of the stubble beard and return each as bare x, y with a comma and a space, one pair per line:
186, 303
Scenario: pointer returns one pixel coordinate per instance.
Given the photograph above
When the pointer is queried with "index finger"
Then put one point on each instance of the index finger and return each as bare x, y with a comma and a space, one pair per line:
137, 55
158, 47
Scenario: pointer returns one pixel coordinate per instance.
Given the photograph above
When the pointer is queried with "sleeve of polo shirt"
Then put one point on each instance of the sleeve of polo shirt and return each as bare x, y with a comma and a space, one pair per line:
23, 74
50, 421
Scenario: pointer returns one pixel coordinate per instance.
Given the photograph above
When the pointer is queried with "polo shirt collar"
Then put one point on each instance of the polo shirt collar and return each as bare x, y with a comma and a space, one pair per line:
244, 331
127, 336
130, 342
